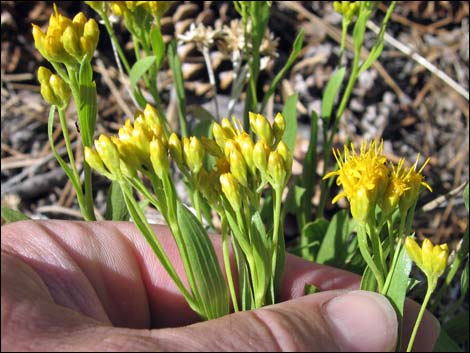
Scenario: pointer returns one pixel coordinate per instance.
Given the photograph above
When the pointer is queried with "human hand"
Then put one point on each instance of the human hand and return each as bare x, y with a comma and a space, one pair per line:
69, 286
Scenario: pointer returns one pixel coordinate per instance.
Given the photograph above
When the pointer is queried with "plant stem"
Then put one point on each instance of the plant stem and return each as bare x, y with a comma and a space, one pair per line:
210, 72
420, 315
228, 269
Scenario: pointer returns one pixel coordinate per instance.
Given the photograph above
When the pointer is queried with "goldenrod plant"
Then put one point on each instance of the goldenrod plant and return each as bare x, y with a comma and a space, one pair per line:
68, 45
238, 171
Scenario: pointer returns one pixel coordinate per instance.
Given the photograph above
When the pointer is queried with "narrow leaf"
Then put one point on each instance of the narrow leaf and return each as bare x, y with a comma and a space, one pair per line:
204, 263
116, 209
331, 90
10, 215
158, 45
290, 114
175, 65
334, 241
293, 55
139, 68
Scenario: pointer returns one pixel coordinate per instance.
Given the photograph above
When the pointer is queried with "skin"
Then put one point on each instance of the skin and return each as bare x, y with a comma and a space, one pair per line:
97, 286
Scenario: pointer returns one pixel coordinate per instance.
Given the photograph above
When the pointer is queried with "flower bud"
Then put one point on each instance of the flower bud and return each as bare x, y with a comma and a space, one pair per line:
61, 89
431, 259
109, 155
193, 153
230, 189
230, 145
286, 155
219, 135
276, 170
176, 150
260, 156
159, 158
94, 161
246, 147
89, 40
228, 129
238, 167
261, 127
279, 126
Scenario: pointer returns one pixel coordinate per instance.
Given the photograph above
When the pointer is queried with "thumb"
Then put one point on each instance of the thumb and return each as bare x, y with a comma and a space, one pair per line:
327, 321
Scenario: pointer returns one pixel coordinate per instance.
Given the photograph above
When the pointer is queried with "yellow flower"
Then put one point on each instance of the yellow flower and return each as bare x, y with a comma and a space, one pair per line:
403, 187
54, 90
155, 8
67, 41
364, 178
231, 190
431, 259
414, 180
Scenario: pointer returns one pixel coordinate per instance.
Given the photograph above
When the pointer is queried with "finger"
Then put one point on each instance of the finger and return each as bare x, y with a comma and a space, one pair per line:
107, 271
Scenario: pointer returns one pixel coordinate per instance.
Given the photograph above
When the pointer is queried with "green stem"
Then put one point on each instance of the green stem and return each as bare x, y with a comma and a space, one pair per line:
377, 249
429, 291
276, 233
228, 268
115, 41
364, 249
77, 186
170, 196
147, 231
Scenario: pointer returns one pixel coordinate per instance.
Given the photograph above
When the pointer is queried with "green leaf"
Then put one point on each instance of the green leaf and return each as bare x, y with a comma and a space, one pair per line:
158, 45
368, 281
457, 327
396, 293
359, 30
50, 127
446, 344
204, 264
290, 114
293, 55
175, 65
293, 200
116, 209
10, 215
373, 55
331, 250
331, 90
312, 234
139, 68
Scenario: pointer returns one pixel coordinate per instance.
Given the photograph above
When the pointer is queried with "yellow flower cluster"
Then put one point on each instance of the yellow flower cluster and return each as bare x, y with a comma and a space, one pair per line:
431, 259
134, 149
239, 161
368, 180
54, 89
67, 41
155, 8
252, 164
346, 8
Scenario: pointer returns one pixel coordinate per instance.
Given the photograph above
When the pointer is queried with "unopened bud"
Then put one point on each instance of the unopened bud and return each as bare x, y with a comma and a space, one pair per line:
238, 167
279, 126
159, 158
230, 189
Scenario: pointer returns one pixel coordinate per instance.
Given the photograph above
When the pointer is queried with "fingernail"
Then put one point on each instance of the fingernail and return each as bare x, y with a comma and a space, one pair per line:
362, 321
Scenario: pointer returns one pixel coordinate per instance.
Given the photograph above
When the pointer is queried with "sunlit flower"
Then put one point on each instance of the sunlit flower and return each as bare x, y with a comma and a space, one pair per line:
364, 177
403, 187
431, 259
67, 41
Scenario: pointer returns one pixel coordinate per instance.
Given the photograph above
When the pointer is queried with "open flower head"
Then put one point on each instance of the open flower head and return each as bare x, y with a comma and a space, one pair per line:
364, 177
431, 259
403, 187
